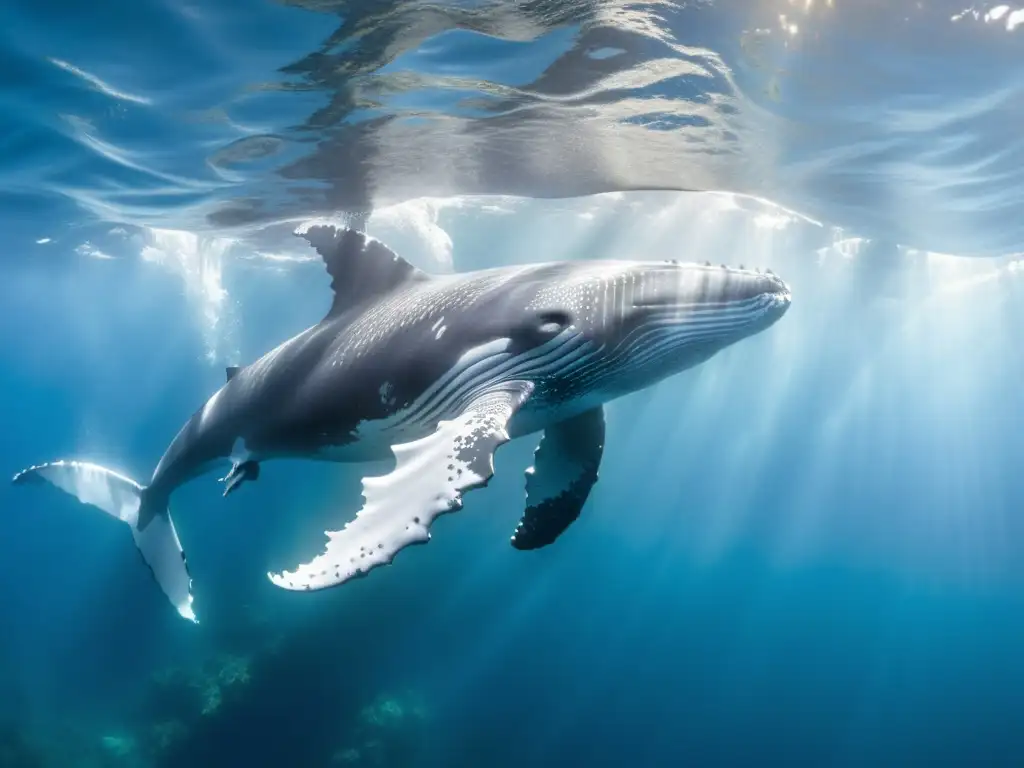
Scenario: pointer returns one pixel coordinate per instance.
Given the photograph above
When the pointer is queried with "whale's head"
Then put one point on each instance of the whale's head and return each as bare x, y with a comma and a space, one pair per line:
634, 323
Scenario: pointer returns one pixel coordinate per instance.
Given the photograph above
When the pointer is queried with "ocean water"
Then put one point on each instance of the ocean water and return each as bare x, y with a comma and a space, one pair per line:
808, 551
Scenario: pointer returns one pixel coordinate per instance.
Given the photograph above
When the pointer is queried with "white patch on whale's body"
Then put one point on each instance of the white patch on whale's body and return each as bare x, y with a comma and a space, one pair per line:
478, 369
412, 421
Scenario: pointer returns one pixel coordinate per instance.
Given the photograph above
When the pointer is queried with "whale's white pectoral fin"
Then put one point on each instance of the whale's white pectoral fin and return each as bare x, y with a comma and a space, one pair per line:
428, 480
558, 484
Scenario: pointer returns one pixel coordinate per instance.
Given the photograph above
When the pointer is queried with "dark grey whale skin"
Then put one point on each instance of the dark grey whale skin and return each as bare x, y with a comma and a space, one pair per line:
378, 349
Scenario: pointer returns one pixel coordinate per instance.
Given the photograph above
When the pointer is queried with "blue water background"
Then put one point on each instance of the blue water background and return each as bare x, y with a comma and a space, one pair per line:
805, 552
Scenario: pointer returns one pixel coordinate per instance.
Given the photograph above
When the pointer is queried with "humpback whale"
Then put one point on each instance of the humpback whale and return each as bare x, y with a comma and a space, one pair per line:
436, 372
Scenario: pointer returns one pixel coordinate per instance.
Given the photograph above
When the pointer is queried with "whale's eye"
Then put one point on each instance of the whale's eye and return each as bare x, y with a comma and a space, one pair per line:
550, 323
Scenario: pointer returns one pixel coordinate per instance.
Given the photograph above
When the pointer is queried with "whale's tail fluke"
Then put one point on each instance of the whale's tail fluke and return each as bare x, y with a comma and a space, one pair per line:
125, 499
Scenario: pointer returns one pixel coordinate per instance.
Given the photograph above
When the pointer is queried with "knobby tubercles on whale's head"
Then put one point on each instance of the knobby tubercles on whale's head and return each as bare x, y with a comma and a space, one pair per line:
707, 302
648, 320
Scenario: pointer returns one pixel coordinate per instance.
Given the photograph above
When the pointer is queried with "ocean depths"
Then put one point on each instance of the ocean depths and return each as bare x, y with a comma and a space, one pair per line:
808, 551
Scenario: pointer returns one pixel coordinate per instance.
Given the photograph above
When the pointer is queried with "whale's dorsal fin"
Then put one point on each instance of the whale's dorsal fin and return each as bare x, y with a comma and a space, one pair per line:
231, 371
361, 267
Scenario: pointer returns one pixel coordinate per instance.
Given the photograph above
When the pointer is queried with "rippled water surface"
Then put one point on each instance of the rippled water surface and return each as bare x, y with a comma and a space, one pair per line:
896, 121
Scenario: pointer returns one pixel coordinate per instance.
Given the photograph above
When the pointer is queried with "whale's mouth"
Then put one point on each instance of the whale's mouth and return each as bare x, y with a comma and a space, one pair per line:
782, 298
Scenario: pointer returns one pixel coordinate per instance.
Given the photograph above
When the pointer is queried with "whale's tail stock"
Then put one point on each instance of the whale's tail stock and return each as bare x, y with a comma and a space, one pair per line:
146, 514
